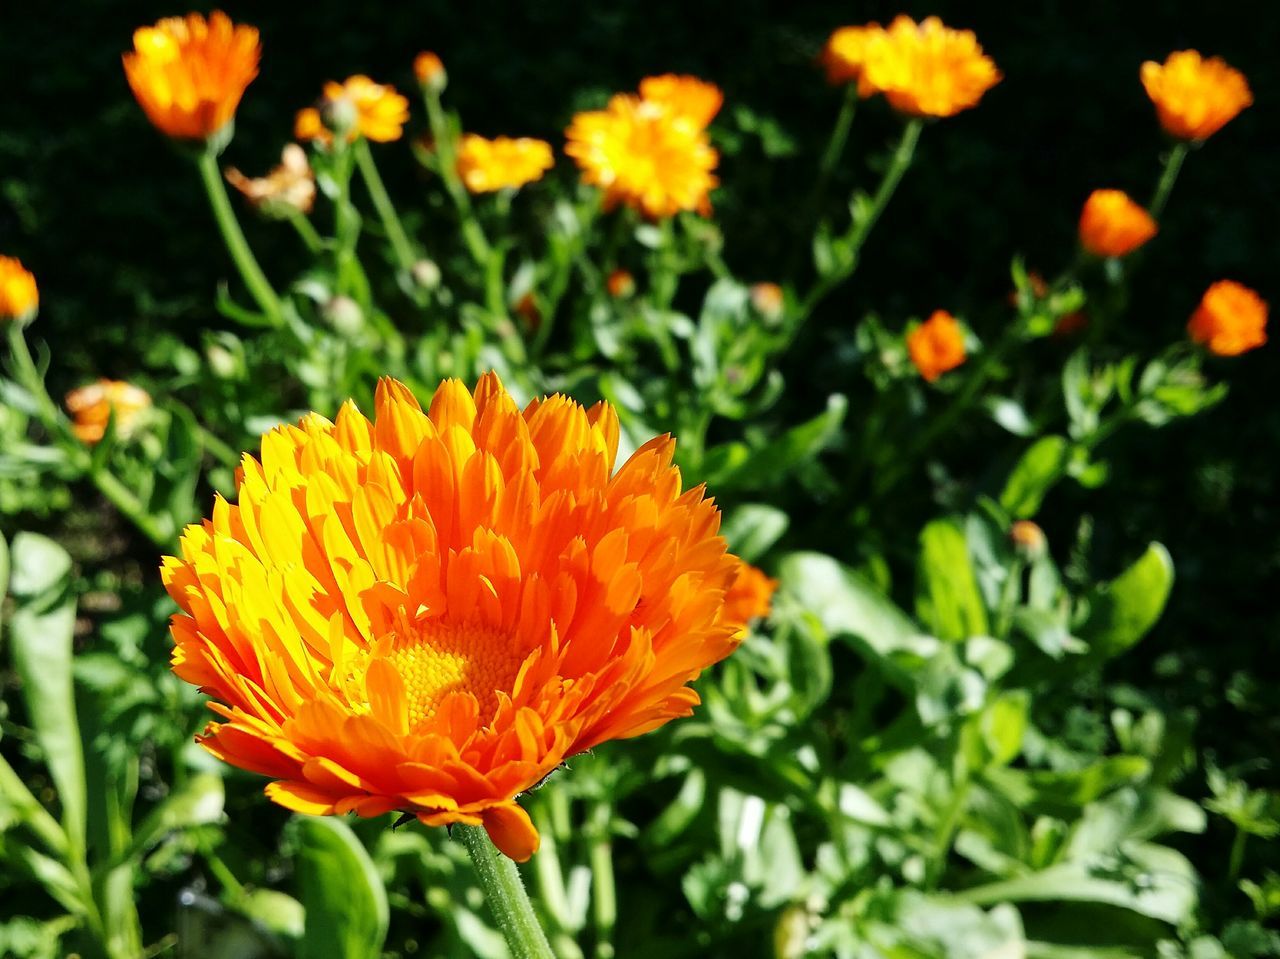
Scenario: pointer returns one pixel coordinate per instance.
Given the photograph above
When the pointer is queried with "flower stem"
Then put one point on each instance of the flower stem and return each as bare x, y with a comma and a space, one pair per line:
382, 203
1172, 165
604, 898
472, 232
310, 236
259, 286
505, 892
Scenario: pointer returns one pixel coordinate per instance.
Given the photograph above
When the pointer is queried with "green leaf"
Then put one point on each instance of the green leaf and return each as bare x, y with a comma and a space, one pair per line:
752, 528
44, 617
1123, 611
197, 802
4, 576
345, 901
947, 596
846, 604
1041, 466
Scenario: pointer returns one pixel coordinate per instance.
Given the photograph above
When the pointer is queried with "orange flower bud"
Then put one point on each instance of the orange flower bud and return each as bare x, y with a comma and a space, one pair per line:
767, 299
19, 297
1195, 97
1027, 538
1111, 224
620, 284
92, 407
936, 345
430, 72
1231, 319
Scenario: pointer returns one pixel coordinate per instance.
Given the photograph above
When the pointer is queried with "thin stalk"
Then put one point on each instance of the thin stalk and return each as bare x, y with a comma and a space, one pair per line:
604, 899
830, 157
505, 892
259, 286
1172, 165
472, 233
311, 238
382, 203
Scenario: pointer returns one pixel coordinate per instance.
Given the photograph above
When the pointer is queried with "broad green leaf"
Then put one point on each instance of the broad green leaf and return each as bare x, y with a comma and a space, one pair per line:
345, 901
40, 632
1040, 467
1123, 611
198, 801
752, 528
18, 805
947, 596
4, 576
278, 911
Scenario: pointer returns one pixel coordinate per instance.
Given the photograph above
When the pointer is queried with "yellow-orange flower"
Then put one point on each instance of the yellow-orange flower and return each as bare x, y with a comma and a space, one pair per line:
1195, 97
1231, 319
93, 406
845, 55
927, 69
767, 298
503, 163
377, 111
188, 74
650, 153
19, 296
620, 283
751, 594
289, 186
307, 125
429, 71
1111, 224
936, 345
430, 612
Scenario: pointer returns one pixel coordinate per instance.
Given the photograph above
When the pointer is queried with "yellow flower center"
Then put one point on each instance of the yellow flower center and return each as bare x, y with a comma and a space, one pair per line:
439, 659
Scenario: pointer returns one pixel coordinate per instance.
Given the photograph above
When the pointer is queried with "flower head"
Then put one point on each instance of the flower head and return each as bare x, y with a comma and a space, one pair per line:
1195, 97
1111, 224
429, 71
377, 112
845, 55
1231, 319
93, 406
767, 299
936, 345
650, 152
620, 284
503, 163
290, 186
751, 594
188, 74
19, 297
430, 612
927, 69
307, 125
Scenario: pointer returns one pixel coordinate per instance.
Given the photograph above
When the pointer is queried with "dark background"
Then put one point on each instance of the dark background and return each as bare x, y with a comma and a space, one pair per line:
112, 222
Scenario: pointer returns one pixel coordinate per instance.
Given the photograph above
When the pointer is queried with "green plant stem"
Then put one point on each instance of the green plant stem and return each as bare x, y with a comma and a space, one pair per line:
1236, 861
219, 450
839, 137
472, 233
259, 286
400, 244
311, 238
604, 899
1172, 165
505, 892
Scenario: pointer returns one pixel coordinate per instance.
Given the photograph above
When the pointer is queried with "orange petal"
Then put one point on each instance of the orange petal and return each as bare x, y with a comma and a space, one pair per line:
511, 830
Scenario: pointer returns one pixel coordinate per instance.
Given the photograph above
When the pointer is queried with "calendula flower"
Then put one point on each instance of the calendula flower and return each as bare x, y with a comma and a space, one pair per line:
1028, 538
751, 594
767, 299
19, 297
486, 166
430, 612
359, 106
1231, 319
927, 69
620, 284
845, 55
290, 186
307, 125
92, 407
1195, 97
188, 74
936, 345
1111, 224
429, 71
652, 155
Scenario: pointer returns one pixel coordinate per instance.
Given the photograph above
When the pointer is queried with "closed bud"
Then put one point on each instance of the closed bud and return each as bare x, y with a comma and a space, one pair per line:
339, 115
1028, 539
426, 274
621, 284
767, 299
344, 315
430, 72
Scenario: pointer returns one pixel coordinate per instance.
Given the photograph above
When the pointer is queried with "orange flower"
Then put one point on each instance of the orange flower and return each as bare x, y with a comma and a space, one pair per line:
487, 166
19, 297
377, 112
290, 186
650, 153
927, 69
1111, 224
750, 596
432, 611
1231, 319
1195, 97
188, 74
845, 55
620, 283
767, 298
429, 71
936, 345
307, 125
92, 408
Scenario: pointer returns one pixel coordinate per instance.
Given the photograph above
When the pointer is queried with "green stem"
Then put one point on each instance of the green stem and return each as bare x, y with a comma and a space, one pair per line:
382, 203
827, 165
1172, 165
310, 236
1236, 862
505, 892
259, 286
220, 451
604, 900
472, 233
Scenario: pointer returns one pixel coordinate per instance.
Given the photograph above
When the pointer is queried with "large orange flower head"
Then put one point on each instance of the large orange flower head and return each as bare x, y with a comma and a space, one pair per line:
19, 297
430, 612
1195, 97
1111, 224
936, 345
486, 166
845, 55
651, 152
927, 69
1231, 319
188, 74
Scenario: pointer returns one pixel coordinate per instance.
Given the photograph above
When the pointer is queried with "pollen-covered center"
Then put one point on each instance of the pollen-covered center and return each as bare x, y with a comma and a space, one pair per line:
438, 659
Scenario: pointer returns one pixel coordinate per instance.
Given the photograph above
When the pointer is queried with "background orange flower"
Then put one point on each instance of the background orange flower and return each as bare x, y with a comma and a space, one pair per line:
1231, 319
19, 296
1111, 224
92, 407
502, 163
927, 69
936, 345
1195, 97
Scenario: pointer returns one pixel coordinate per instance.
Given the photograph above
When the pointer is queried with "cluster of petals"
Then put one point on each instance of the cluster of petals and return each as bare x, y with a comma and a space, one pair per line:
1195, 96
287, 187
379, 113
936, 345
188, 73
651, 151
923, 69
503, 163
1112, 224
93, 406
19, 296
431, 611
1231, 319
